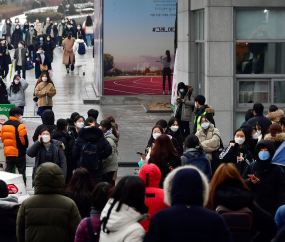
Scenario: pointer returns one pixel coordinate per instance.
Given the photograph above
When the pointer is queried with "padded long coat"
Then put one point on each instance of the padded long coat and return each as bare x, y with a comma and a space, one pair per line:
68, 51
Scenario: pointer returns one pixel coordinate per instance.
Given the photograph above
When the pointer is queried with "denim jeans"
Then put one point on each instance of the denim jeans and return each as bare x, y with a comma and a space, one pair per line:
89, 39
44, 108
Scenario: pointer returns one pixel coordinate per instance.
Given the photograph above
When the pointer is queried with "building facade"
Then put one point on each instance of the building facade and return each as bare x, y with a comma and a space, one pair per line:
233, 52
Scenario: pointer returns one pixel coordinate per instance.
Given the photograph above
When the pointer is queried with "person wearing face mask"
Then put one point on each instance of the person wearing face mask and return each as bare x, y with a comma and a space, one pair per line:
80, 31
68, 58
175, 132
16, 36
15, 141
31, 40
61, 27
41, 41
45, 91
25, 28
8, 29
38, 27
5, 58
40, 57
238, 151
95, 136
79, 50
16, 92
184, 107
52, 31
45, 150
266, 180
253, 134
68, 28
45, 26
20, 56
50, 46
275, 134
79, 124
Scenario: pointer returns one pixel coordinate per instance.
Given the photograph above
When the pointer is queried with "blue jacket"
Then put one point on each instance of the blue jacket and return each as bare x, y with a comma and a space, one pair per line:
280, 218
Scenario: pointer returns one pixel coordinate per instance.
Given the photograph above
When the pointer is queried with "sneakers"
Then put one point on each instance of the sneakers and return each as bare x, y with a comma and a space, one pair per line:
83, 73
164, 93
67, 70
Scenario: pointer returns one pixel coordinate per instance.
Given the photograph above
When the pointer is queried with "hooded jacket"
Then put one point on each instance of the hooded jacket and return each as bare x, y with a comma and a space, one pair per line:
16, 37
48, 122
5, 59
209, 141
269, 192
186, 190
48, 215
275, 116
111, 163
37, 45
3, 93
263, 121
8, 218
18, 98
277, 140
49, 48
28, 38
151, 175
123, 225
199, 113
80, 59
186, 107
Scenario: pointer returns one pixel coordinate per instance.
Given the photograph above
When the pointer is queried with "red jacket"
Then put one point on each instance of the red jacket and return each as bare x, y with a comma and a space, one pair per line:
151, 176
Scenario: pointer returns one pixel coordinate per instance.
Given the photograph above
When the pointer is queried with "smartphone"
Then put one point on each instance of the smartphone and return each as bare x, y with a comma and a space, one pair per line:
178, 99
139, 153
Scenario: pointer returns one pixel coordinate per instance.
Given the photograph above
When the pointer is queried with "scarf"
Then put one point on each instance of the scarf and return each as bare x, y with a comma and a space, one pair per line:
110, 131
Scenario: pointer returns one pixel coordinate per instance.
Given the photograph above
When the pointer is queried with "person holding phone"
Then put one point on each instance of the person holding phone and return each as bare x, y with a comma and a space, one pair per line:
238, 151
266, 180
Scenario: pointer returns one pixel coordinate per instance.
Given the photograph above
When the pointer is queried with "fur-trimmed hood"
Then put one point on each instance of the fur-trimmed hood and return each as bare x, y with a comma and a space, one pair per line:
210, 109
186, 185
190, 88
275, 116
278, 138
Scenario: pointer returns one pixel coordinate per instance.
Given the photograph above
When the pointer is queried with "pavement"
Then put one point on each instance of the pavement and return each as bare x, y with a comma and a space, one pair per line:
134, 123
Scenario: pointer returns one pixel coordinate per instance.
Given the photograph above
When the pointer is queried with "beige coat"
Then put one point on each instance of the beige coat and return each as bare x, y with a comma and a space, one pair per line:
68, 51
41, 94
275, 116
208, 141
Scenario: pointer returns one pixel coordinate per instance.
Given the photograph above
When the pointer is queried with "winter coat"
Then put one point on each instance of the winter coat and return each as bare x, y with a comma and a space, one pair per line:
80, 60
82, 33
89, 29
83, 205
18, 98
57, 152
40, 93
183, 111
60, 28
111, 163
82, 233
55, 30
92, 135
280, 218
5, 58
4, 30
3, 94
174, 141
66, 31
277, 140
16, 37
48, 122
263, 121
44, 27
38, 43
49, 50
233, 195
123, 225
48, 215
269, 192
8, 218
24, 56
230, 154
37, 64
151, 175
14, 137
280, 237
186, 191
68, 54
209, 141
38, 28
28, 38
199, 113
173, 161
275, 116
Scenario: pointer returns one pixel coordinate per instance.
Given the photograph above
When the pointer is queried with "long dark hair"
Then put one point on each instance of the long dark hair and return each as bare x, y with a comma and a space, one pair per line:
81, 184
89, 21
48, 77
130, 191
246, 134
178, 134
108, 125
151, 139
15, 87
100, 195
50, 39
69, 35
162, 150
168, 56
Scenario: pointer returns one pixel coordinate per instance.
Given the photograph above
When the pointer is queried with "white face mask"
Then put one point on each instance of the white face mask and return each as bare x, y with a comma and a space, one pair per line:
47, 19
48, 39
255, 136
3, 42
40, 51
69, 26
239, 141
20, 45
44, 78
63, 21
41, 39
155, 135
258, 131
46, 138
20, 118
16, 21
37, 21
174, 128
17, 82
196, 105
80, 125
181, 90
55, 23
8, 22
17, 27
32, 28
78, 28
71, 22
205, 125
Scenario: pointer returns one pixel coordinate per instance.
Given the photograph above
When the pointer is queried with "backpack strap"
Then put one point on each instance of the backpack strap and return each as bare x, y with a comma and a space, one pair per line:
188, 155
90, 229
252, 166
105, 219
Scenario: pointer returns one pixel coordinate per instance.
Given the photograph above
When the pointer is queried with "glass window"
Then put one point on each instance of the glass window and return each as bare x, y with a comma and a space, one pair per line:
254, 91
260, 58
260, 24
200, 25
201, 68
279, 87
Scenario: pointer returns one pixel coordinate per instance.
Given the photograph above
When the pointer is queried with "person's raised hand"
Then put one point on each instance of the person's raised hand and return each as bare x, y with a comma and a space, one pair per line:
40, 138
232, 144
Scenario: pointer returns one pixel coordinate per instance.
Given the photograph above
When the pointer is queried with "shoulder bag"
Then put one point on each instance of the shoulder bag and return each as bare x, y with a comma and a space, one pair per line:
36, 98
42, 67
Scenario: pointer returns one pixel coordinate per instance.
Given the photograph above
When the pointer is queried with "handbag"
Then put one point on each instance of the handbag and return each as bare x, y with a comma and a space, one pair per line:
43, 67
29, 65
35, 99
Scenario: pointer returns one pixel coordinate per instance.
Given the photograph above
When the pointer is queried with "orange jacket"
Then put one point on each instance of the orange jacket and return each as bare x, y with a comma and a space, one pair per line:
14, 137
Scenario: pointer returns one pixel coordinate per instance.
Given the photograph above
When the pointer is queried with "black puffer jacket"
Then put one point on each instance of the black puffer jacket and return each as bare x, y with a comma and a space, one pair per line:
3, 93
269, 192
37, 45
48, 122
50, 46
230, 154
8, 218
235, 196
16, 37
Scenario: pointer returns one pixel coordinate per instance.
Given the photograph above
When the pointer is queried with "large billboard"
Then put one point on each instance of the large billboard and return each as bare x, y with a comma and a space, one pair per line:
136, 34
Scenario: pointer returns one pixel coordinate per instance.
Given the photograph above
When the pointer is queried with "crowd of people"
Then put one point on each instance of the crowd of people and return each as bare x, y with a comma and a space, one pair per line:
189, 185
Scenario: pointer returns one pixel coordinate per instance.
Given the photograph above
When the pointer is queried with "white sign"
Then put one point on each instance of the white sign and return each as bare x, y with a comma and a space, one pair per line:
174, 82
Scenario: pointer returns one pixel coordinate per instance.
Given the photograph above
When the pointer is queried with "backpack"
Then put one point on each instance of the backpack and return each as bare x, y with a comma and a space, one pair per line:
216, 155
81, 49
239, 222
200, 161
89, 156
